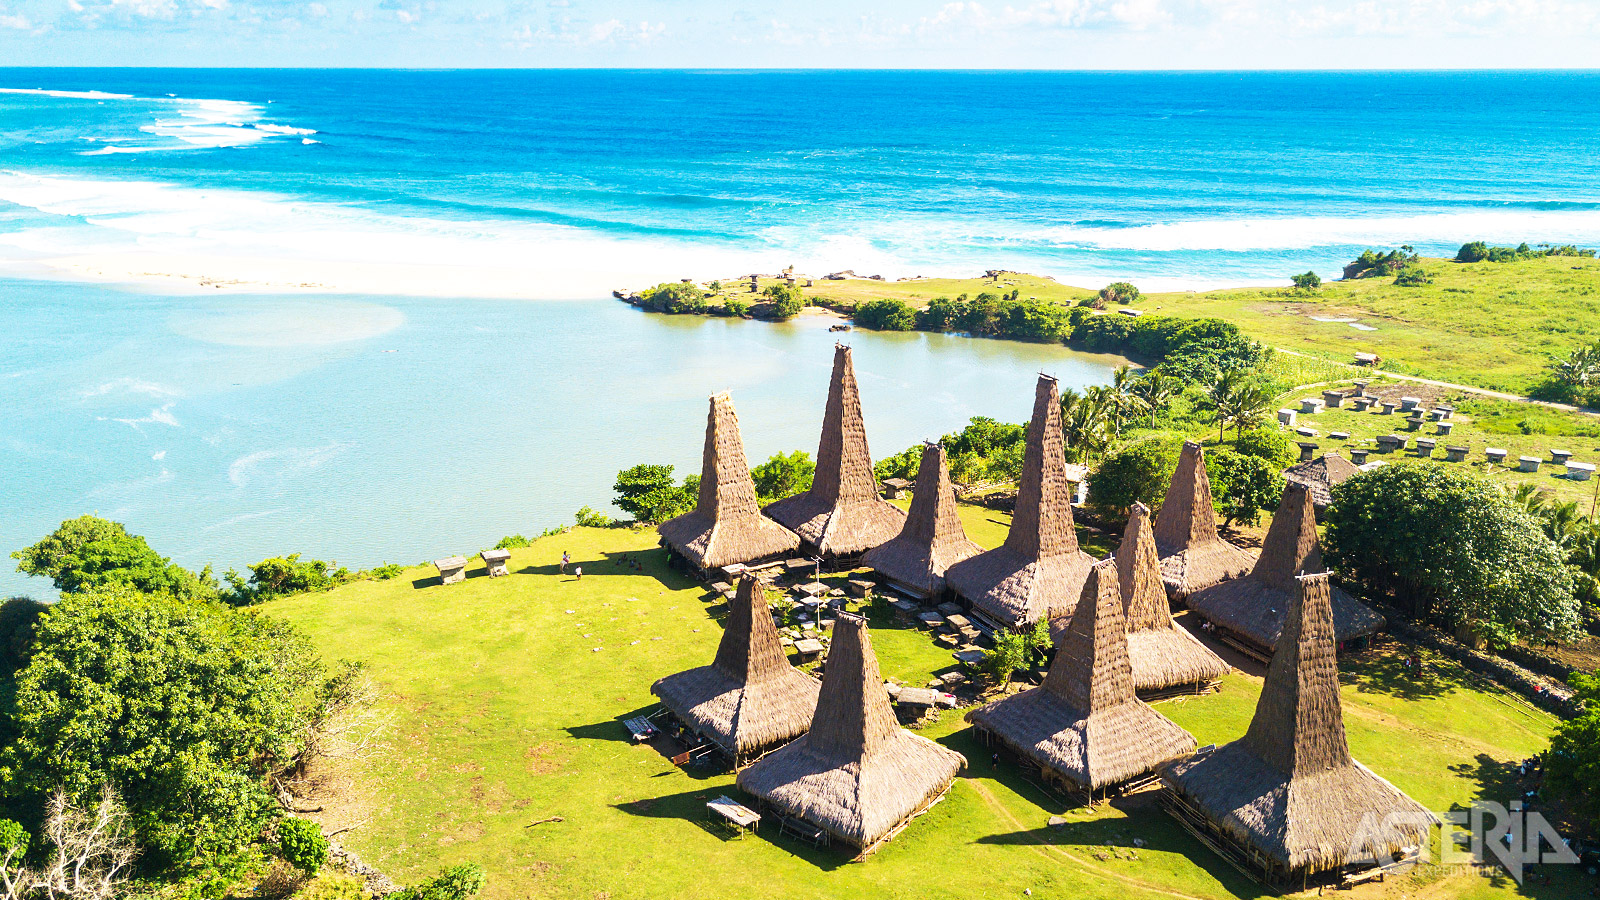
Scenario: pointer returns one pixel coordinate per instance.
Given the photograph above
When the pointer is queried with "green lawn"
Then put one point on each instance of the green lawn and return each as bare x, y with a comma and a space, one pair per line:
506, 697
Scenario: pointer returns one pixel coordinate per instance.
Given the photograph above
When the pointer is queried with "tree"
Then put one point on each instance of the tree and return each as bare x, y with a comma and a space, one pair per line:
1083, 426
650, 495
939, 315
1237, 399
885, 315
1473, 251
1119, 292
675, 297
1155, 390
188, 710
280, 576
1580, 368
1243, 485
1138, 472
302, 845
784, 475
1307, 281
1573, 763
786, 301
91, 553
1452, 548
1268, 444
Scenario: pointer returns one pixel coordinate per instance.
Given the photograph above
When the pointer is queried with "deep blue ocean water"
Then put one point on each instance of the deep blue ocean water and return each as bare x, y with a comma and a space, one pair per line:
380, 416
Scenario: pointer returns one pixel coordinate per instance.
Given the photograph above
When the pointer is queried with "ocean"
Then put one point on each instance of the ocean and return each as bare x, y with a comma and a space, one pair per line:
363, 314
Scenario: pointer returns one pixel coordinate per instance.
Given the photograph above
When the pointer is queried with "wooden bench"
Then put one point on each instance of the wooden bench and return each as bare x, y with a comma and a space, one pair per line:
641, 728
803, 830
742, 819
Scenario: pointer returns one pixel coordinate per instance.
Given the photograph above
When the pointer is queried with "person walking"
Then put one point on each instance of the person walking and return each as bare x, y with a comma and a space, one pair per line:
566, 558
578, 572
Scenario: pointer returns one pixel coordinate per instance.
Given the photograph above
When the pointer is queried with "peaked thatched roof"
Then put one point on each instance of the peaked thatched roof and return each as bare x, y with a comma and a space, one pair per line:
1320, 475
749, 699
842, 514
1039, 568
1289, 789
1163, 655
1254, 607
932, 539
726, 526
1193, 556
856, 774
1085, 724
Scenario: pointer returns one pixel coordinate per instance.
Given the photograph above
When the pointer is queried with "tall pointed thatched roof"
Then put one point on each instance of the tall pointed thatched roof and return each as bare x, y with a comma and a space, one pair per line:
1320, 475
726, 526
1085, 724
856, 774
1289, 789
1163, 655
1039, 568
749, 699
932, 539
1193, 556
1254, 607
842, 514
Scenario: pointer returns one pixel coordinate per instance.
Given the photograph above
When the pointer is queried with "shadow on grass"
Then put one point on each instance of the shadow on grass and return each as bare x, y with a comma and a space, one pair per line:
1496, 780
1383, 670
665, 745
690, 806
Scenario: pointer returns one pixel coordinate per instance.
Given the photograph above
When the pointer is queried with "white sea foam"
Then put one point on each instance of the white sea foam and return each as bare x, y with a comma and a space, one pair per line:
74, 95
182, 123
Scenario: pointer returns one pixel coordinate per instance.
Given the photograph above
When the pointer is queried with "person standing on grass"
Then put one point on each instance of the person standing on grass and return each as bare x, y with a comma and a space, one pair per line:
566, 557
578, 572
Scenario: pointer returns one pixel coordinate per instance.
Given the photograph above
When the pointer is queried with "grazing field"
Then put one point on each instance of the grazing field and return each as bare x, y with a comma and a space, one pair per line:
506, 697
1489, 325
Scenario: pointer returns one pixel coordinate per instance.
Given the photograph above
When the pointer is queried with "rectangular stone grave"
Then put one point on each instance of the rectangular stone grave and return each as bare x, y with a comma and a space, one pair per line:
1455, 454
496, 561
1528, 463
1579, 471
451, 569
1495, 455
1333, 399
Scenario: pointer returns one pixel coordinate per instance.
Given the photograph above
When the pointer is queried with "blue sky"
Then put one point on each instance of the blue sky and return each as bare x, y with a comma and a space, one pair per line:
1095, 34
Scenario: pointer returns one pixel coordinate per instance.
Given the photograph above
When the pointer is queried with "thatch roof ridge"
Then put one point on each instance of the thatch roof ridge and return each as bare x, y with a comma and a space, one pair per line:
1193, 555
1039, 567
750, 697
1290, 548
1321, 474
726, 526
1139, 574
841, 514
933, 538
856, 774
1289, 788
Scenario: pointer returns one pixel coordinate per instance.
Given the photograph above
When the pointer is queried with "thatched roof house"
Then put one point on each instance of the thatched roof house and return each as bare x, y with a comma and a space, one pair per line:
1163, 655
749, 699
1287, 797
1249, 612
856, 774
1320, 475
842, 514
1039, 568
932, 539
1193, 556
726, 526
1084, 725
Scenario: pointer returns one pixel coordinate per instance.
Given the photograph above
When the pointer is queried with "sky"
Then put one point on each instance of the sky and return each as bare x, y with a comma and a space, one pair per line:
981, 34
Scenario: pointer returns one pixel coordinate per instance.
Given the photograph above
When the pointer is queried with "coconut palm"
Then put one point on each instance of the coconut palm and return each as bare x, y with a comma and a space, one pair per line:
1155, 390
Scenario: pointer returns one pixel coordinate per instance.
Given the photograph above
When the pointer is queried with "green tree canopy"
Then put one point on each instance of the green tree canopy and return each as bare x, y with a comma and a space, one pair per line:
885, 315
1243, 485
1137, 472
1451, 547
649, 494
1574, 760
786, 301
91, 553
784, 475
675, 297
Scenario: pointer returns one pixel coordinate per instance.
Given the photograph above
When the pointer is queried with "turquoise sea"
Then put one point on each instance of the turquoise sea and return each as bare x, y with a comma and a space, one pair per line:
363, 314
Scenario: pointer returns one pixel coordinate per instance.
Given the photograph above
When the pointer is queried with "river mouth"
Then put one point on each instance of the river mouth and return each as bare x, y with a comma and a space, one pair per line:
390, 429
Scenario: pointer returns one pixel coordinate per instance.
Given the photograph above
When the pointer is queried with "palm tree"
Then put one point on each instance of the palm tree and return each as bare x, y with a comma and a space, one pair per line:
1083, 423
1155, 389
1238, 400
1579, 368
1219, 399
1251, 403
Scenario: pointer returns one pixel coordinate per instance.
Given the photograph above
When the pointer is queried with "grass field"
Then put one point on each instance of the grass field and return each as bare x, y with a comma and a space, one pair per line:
506, 697
1490, 325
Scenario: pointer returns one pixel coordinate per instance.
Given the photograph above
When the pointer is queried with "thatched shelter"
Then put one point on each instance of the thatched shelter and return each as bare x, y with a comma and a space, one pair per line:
1039, 568
1193, 556
1164, 656
749, 700
1084, 726
1287, 800
726, 526
856, 774
841, 516
1249, 612
1320, 475
932, 539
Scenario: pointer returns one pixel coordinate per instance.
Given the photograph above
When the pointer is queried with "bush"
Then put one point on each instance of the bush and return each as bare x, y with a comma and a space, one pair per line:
590, 518
513, 542
1268, 444
1306, 281
733, 307
1574, 760
1451, 548
1473, 251
675, 297
90, 553
1411, 276
280, 576
1373, 263
387, 571
885, 315
455, 883
18, 617
1119, 292
1139, 472
1243, 485
786, 301
649, 494
1017, 651
784, 475
301, 844
939, 315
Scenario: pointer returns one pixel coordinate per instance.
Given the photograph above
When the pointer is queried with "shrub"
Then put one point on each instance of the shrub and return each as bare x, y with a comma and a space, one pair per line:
1372, 263
675, 297
454, 883
649, 494
280, 576
1137, 472
1306, 281
1269, 444
1242, 485
1574, 759
1411, 276
785, 301
939, 315
1119, 292
90, 553
885, 315
590, 518
784, 475
513, 542
1472, 251
301, 844
733, 307
387, 571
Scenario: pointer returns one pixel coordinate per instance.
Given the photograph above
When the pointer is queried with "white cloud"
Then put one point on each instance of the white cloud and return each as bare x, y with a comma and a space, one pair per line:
16, 20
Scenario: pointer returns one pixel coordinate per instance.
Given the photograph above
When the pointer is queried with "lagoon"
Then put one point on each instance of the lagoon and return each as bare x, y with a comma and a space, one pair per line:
377, 429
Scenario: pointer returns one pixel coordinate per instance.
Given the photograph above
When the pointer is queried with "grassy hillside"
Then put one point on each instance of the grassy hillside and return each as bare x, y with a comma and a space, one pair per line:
1491, 325
506, 697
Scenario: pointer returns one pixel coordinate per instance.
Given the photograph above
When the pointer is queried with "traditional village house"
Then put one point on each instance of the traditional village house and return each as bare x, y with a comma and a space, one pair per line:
932, 539
1193, 556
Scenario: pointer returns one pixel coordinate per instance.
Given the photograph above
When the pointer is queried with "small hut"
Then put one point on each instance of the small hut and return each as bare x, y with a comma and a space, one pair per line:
1193, 556
749, 700
1287, 801
932, 539
726, 526
1249, 612
857, 775
1165, 657
1320, 475
1039, 567
1084, 726
841, 516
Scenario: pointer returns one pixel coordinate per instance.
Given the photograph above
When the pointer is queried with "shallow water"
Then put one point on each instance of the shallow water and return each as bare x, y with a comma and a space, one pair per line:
226, 429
